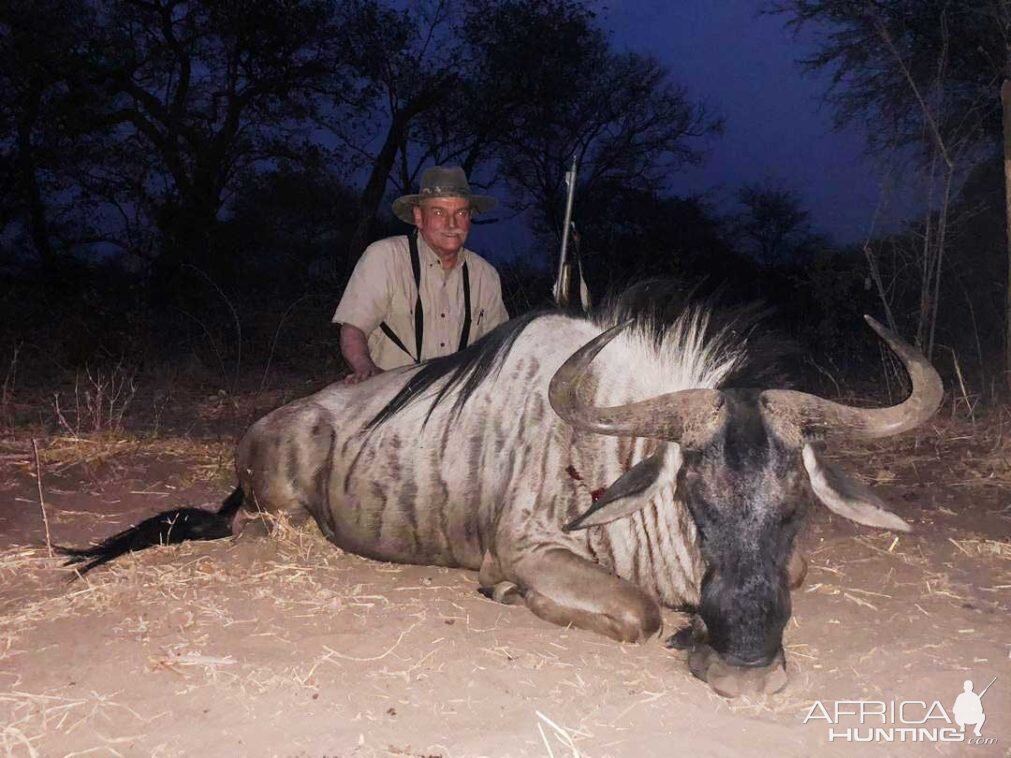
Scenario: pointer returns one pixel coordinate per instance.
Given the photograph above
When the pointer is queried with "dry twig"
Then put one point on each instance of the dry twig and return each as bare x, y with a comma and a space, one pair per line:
42, 500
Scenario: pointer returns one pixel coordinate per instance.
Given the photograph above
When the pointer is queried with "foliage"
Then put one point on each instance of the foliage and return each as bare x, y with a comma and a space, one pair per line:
927, 75
180, 98
47, 104
953, 57
628, 124
195, 178
772, 226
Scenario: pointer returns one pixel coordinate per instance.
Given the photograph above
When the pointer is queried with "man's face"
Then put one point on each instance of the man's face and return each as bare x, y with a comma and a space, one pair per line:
443, 223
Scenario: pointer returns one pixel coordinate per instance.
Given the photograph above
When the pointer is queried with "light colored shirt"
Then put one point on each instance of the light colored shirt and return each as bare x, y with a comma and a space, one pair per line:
382, 288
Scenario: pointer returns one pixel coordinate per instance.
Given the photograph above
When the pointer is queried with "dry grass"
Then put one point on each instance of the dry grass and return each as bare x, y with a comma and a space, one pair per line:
206, 460
303, 578
951, 453
98, 403
152, 577
984, 548
195, 579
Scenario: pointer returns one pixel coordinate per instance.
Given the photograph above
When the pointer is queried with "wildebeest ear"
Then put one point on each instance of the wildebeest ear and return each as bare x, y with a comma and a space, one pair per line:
634, 489
846, 496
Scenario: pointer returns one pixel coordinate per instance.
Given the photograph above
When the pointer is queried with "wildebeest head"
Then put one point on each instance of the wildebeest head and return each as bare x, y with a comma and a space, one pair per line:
742, 461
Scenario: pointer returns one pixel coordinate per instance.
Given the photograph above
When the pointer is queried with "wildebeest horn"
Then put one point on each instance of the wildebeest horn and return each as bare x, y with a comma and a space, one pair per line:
812, 416
689, 417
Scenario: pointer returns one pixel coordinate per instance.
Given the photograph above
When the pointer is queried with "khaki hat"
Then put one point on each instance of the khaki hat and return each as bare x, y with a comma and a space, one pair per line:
442, 181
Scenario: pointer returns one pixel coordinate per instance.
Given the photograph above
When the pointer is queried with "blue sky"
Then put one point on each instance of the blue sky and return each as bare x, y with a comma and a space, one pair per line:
744, 66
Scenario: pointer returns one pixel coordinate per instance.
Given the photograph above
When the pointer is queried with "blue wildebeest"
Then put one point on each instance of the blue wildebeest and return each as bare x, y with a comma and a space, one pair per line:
592, 469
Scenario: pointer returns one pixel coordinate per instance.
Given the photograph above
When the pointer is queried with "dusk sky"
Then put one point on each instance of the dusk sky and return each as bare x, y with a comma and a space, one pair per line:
744, 66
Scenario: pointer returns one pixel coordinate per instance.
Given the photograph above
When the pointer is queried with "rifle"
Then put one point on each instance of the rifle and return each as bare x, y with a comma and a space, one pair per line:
987, 687
564, 279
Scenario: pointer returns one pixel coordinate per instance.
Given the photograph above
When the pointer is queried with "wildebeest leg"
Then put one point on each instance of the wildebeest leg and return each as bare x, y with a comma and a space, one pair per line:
565, 589
284, 464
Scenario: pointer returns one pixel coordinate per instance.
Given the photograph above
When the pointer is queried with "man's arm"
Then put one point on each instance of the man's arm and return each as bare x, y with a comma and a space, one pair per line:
362, 307
355, 349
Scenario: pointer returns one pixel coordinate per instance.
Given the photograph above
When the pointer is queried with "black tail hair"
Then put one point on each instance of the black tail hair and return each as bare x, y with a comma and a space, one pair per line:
168, 528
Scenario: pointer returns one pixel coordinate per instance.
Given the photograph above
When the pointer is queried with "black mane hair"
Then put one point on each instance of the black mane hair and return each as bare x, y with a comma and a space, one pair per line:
653, 305
470, 366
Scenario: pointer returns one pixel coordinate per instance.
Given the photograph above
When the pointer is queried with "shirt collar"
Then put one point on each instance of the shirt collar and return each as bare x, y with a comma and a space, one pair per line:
428, 255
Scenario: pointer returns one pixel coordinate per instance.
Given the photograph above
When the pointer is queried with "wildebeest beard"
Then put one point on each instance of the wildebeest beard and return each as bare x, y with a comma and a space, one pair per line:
746, 497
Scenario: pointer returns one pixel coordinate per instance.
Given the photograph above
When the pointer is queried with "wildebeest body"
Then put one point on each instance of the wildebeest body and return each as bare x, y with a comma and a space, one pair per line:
591, 471
480, 490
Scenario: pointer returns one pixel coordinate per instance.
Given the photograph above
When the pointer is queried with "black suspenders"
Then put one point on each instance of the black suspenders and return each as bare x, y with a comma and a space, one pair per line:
419, 314
465, 332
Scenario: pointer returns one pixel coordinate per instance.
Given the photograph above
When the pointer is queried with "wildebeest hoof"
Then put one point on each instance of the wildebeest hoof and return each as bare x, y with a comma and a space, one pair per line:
503, 592
796, 570
682, 639
689, 635
732, 681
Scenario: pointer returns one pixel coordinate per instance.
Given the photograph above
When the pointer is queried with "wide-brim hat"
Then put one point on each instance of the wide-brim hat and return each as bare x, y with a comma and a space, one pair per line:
442, 181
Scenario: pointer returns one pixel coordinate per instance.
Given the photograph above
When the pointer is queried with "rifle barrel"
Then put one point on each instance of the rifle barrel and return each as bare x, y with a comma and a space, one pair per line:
987, 687
570, 179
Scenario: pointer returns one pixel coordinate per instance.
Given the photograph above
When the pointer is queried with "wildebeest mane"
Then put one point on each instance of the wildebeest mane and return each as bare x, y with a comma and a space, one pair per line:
654, 306
468, 367
769, 361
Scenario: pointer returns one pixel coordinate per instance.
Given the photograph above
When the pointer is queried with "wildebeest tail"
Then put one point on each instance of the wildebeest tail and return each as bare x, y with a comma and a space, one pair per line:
231, 504
168, 528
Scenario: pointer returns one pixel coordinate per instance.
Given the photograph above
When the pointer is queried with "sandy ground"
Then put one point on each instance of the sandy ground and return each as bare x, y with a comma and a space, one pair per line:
285, 646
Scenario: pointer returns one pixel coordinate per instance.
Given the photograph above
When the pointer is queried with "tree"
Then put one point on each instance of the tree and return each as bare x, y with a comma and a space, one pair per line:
449, 90
892, 62
411, 60
925, 73
198, 92
620, 114
45, 105
773, 227
630, 235
288, 221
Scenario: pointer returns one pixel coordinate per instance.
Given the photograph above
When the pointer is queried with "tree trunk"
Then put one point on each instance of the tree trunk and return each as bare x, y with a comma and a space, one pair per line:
38, 218
1005, 96
383, 165
376, 186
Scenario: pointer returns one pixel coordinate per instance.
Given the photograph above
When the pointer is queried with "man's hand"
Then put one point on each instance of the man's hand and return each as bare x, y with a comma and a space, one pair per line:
361, 376
355, 349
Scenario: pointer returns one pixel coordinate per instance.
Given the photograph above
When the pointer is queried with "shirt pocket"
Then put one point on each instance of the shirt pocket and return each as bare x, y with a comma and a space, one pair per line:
401, 305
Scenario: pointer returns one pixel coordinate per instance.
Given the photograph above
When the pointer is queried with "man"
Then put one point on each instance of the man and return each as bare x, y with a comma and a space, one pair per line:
968, 708
423, 295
